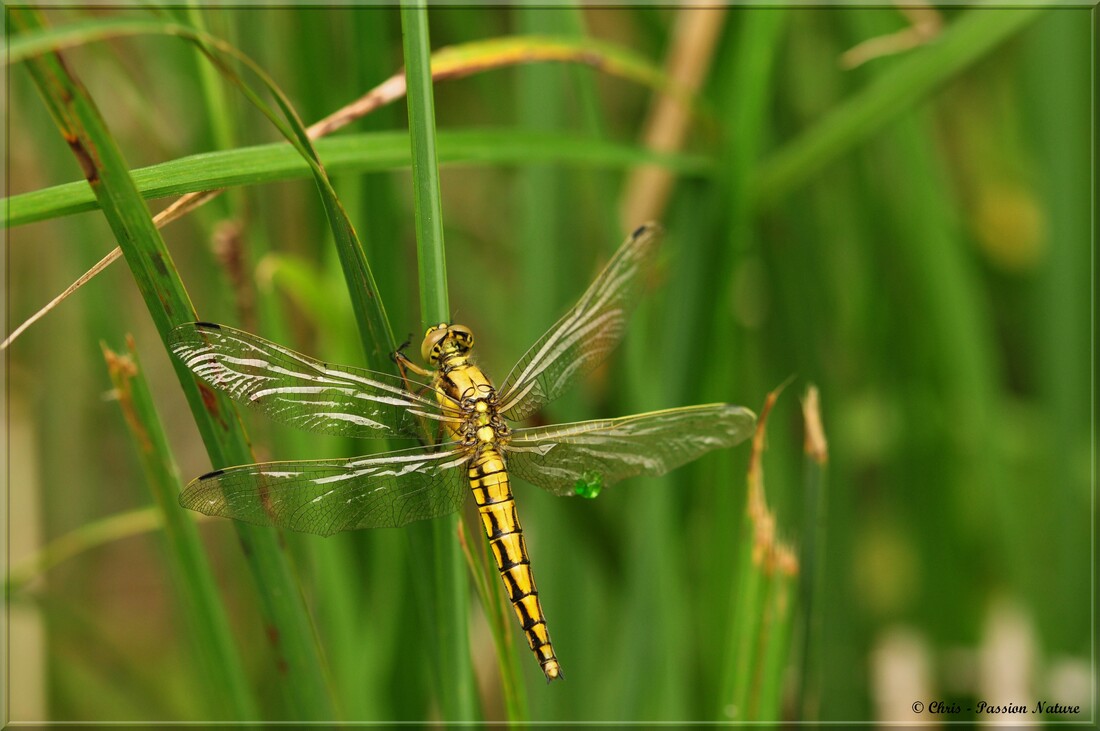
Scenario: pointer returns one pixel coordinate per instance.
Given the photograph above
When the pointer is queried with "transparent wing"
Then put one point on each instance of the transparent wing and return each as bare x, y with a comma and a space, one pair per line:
297, 390
328, 496
581, 339
567, 459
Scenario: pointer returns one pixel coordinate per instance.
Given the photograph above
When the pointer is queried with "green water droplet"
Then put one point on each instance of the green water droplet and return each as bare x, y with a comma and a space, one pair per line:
589, 485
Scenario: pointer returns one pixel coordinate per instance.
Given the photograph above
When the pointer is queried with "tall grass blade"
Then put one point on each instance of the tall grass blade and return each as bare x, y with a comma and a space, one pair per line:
436, 541
1061, 57
297, 657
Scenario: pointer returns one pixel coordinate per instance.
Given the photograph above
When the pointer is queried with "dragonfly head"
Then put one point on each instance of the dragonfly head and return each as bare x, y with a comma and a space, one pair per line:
445, 340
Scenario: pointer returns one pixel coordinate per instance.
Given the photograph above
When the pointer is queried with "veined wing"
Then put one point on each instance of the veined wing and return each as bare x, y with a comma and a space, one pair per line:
328, 496
297, 390
580, 340
567, 459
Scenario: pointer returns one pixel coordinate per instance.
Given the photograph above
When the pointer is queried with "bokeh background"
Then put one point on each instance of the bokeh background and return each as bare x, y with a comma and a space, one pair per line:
892, 204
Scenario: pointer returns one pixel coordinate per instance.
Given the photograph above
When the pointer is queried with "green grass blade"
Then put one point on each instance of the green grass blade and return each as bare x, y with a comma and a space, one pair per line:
370, 313
779, 611
431, 255
216, 102
228, 694
81, 540
1059, 68
607, 57
450, 601
33, 42
746, 613
896, 90
350, 155
298, 660
762, 614
450, 62
540, 193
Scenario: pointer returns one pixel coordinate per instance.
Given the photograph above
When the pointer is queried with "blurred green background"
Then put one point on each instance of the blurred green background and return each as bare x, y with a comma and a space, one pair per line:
911, 233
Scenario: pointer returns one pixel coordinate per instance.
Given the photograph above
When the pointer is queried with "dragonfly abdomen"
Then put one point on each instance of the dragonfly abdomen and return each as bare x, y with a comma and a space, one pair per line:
493, 495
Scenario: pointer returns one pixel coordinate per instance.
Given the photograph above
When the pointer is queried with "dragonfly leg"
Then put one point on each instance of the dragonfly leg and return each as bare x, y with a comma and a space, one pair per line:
404, 365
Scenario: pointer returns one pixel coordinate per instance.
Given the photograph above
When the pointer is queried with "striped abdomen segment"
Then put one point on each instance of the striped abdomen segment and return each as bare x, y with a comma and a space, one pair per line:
493, 495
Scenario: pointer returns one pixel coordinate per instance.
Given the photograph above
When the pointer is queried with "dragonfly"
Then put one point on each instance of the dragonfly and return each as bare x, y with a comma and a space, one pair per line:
475, 450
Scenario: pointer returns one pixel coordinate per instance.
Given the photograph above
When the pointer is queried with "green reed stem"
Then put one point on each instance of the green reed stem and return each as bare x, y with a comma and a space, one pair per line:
438, 540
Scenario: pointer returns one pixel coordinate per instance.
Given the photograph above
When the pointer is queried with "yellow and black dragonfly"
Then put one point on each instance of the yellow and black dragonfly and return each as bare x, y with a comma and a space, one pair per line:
478, 450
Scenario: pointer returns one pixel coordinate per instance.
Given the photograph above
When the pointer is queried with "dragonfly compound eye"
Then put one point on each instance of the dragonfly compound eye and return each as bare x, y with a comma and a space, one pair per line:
462, 337
432, 347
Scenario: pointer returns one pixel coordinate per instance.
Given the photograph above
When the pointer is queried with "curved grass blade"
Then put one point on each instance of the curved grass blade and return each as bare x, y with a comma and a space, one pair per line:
452, 62
370, 314
36, 41
81, 540
909, 80
458, 61
298, 659
350, 154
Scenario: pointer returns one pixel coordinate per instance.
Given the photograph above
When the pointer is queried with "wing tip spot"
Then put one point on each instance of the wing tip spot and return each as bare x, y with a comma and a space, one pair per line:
202, 324
211, 475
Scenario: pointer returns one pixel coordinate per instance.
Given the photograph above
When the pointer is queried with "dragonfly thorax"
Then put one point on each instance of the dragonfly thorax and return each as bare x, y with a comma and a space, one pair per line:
444, 342
481, 424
